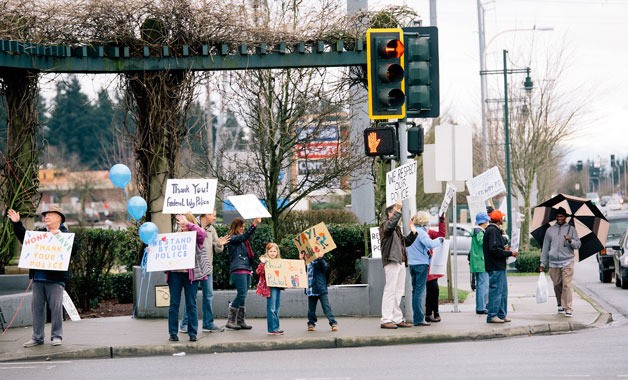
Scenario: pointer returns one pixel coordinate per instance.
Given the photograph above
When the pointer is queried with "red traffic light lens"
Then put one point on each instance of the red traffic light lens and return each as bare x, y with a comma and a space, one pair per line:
391, 49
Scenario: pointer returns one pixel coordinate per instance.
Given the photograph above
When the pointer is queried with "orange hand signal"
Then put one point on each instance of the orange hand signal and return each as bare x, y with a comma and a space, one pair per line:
373, 142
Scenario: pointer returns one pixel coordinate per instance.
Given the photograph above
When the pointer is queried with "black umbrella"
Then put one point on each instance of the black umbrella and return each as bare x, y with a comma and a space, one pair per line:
589, 222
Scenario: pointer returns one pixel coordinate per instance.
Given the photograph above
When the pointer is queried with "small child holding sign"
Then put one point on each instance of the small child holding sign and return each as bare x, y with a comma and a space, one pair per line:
272, 294
317, 290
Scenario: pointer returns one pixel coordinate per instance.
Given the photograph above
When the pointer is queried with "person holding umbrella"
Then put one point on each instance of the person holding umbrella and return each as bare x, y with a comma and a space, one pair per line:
558, 254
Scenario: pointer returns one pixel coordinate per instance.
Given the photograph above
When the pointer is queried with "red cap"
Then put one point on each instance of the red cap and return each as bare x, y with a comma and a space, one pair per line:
496, 215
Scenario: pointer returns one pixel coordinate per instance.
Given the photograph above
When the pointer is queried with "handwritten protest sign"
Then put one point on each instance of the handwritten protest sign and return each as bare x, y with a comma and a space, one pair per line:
314, 242
401, 183
249, 206
69, 307
44, 250
438, 264
487, 184
283, 273
449, 195
476, 204
190, 195
171, 251
376, 249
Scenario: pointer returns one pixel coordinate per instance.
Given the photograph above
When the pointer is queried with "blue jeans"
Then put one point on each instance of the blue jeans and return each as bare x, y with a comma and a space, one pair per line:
272, 309
481, 291
242, 283
311, 309
178, 281
207, 287
418, 274
497, 294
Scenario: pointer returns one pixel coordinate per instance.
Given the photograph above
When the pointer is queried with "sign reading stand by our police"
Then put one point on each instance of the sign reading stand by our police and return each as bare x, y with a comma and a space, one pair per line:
45, 250
171, 251
194, 195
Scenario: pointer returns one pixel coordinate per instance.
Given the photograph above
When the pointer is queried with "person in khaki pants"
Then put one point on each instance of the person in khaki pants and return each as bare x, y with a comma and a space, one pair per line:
558, 254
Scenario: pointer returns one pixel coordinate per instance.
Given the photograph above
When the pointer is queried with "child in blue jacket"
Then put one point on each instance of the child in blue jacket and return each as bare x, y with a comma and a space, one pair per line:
317, 290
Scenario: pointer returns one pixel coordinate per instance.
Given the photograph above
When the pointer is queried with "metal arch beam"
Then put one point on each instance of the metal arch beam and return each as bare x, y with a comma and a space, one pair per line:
99, 59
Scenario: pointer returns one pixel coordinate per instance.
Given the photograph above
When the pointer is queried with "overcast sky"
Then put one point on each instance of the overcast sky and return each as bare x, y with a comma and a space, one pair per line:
592, 32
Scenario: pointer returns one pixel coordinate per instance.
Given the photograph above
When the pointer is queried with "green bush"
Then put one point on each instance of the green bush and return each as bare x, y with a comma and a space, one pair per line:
528, 262
98, 251
122, 287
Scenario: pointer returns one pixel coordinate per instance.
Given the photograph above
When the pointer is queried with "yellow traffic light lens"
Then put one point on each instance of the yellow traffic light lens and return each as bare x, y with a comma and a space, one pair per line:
391, 49
392, 73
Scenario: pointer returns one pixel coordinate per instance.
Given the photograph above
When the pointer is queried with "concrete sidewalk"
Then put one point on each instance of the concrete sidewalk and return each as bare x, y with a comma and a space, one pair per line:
127, 337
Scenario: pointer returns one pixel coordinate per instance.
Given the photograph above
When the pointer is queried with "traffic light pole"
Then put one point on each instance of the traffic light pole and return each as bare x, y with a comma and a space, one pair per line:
409, 207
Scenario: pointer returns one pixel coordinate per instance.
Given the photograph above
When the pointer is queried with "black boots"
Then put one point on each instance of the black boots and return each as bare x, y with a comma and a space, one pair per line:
231, 319
241, 322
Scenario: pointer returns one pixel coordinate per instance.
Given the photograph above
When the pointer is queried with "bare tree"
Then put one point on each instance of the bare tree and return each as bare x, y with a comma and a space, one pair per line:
539, 126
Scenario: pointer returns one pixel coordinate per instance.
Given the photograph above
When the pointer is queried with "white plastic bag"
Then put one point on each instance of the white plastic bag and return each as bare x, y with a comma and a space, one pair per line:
541, 289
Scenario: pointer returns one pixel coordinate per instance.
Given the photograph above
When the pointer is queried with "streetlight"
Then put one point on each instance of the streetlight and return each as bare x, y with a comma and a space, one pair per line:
483, 49
527, 85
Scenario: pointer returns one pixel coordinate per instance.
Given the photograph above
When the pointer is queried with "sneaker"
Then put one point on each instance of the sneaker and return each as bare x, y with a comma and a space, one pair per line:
506, 319
57, 341
568, 314
32, 343
481, 312
193, 338
436, 318
173, 338
425, 323
561, 310
183, 330
334, 327
310, 327
214, 329
495, 319
278, 332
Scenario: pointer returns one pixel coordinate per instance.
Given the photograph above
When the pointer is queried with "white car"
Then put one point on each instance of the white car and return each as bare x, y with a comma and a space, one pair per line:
463, 237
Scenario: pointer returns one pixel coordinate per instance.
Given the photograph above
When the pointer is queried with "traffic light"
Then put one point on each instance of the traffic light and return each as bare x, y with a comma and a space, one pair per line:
384, 65
381, 140
415, 139
420, 62
579, 165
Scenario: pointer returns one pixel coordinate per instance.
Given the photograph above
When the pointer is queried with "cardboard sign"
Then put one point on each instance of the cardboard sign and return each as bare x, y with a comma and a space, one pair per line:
190, 195
314, 242
449, 195
171, 251
401, 183
476, 204
376, 248
44, 250
283, 273
69, 307
249, 206
162, 296
438, 265
487, 184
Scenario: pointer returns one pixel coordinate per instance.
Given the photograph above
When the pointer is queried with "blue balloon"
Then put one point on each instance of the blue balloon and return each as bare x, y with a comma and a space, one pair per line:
148, 232
136, 207
120, 175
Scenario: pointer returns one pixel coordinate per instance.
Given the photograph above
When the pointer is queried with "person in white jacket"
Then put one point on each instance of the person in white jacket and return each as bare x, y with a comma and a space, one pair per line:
558, 254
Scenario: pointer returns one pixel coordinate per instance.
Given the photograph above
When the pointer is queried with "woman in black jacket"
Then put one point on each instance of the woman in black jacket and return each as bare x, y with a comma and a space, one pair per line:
241, 268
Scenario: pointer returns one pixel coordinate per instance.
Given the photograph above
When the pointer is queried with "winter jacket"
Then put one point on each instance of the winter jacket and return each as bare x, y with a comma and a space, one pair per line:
211, 246
476, 254
494, 247
316, 277
41, 275
419, 252
238, 251
262, 288
557, 251
393, 243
